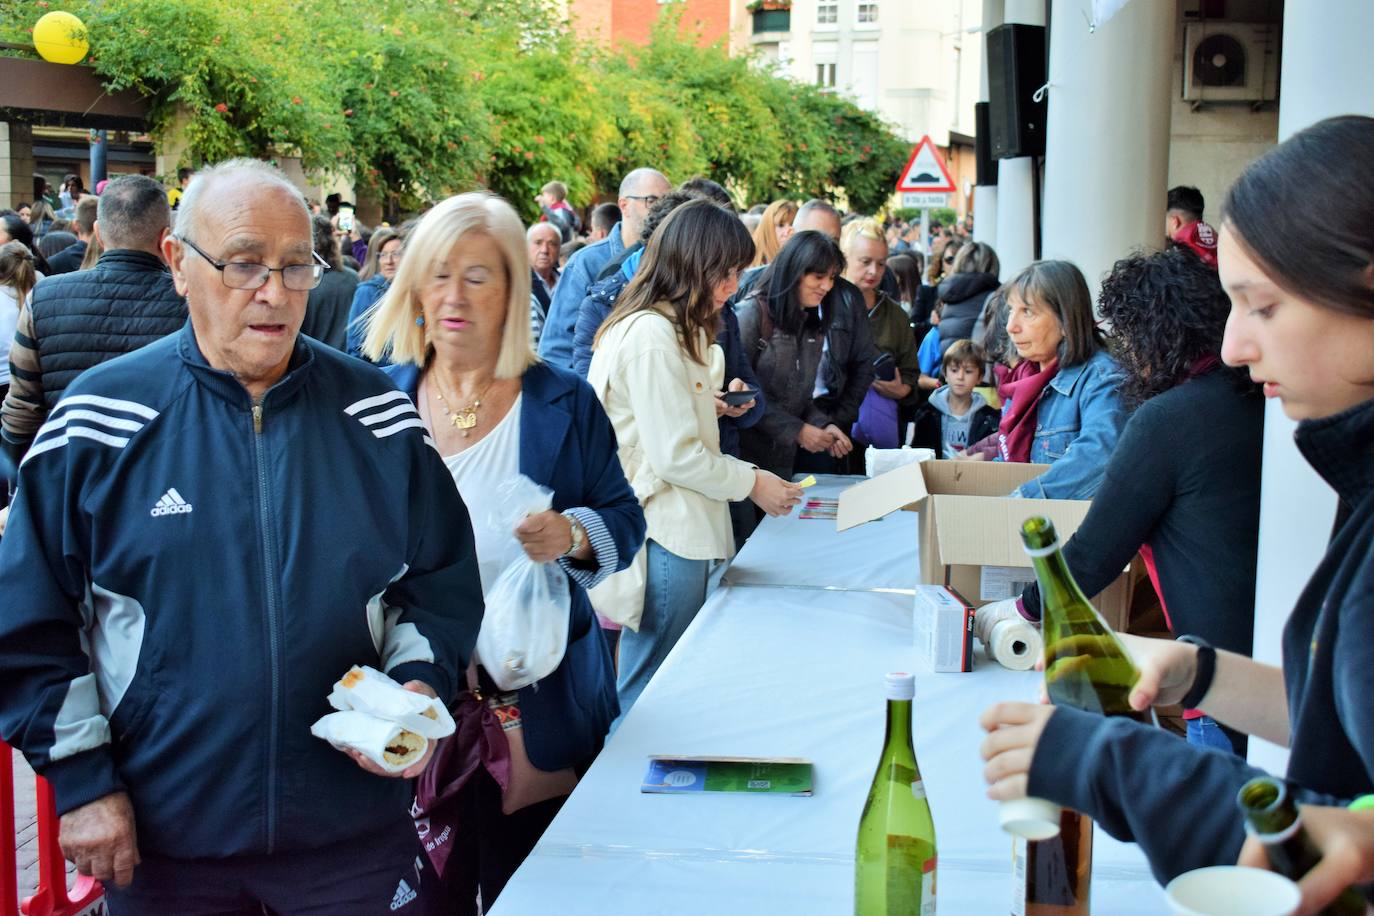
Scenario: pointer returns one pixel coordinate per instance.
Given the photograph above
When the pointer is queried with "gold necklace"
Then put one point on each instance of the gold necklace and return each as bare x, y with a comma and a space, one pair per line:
466, 418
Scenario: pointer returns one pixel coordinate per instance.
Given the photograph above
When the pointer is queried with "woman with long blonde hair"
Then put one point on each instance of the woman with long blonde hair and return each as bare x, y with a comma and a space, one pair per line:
773, 231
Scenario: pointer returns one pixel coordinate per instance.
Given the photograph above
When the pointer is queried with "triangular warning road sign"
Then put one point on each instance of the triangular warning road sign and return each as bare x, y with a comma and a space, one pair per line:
926, 171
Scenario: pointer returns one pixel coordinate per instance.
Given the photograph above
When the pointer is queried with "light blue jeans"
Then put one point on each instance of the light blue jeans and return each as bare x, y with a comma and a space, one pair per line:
674, 590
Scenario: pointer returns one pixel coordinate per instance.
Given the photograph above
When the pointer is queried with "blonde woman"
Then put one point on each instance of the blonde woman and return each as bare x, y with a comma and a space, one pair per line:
774, 229
897, 372
456, 324
659, 373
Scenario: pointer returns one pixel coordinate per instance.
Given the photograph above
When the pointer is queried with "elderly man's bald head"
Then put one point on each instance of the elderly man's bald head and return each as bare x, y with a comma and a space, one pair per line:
543, 231
232, 179
818, 215
640, 190
644, 181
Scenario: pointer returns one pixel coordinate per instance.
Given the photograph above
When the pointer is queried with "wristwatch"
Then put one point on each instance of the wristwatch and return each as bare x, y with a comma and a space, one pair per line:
578, 536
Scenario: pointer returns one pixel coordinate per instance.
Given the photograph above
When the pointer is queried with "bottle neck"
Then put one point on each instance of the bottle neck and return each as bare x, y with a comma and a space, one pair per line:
1275, 824
1057, 585
898, 723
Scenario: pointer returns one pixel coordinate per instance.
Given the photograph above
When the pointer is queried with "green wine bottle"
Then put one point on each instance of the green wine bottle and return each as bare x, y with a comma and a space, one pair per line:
1271, 816
1086, 666
894, 861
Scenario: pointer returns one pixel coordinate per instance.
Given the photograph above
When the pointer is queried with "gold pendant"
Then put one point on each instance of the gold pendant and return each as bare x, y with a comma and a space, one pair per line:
465, 420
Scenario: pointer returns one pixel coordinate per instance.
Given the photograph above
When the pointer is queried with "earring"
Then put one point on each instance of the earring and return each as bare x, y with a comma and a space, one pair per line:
419, 321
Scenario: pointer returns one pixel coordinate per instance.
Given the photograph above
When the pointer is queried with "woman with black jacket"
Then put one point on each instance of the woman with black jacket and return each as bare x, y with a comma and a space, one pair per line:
1302, 323
964, 291
807, 334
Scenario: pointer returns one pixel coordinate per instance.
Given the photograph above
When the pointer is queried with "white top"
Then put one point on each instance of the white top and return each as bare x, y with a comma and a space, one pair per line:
9, 320
478, 471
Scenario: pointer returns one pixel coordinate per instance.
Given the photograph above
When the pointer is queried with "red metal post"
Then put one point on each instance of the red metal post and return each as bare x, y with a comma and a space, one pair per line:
53, 897
9, 853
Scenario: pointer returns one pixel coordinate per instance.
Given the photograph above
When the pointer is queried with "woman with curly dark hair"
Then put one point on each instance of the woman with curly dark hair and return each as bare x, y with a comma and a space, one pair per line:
1182, 486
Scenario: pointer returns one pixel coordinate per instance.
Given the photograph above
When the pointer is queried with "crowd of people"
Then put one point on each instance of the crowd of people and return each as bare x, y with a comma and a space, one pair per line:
322, 418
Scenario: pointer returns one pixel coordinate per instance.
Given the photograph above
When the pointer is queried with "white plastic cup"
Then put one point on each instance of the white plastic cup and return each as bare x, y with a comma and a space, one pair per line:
1030, 818
1232, 890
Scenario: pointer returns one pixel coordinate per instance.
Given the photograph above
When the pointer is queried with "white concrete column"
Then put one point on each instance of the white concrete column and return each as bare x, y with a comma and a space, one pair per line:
1015, 188
985, 196
1107, 153
1327, 70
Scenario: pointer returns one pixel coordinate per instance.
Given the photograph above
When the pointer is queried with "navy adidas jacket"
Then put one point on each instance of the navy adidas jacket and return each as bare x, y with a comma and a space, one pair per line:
186, 575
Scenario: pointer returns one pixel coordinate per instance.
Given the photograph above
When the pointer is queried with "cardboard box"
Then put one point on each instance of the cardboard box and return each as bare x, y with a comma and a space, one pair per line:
969, 530
942, 629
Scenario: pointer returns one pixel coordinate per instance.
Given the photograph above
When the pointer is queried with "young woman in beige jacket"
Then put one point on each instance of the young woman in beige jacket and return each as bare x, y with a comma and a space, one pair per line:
660, 376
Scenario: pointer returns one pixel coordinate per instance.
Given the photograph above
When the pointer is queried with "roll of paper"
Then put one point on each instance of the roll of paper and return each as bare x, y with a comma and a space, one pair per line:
1014, 644
390, 746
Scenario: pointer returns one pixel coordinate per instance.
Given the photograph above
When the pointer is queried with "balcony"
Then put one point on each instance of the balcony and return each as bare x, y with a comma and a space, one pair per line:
772, 20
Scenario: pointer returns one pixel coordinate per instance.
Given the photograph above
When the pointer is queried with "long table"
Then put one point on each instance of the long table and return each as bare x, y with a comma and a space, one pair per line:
769, 668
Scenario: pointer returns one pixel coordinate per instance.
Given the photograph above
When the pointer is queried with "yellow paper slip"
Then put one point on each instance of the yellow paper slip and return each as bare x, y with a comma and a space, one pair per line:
809, 481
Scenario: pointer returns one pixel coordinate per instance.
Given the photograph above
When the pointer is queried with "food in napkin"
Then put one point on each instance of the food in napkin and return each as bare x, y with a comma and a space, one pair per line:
368, 690
390, 746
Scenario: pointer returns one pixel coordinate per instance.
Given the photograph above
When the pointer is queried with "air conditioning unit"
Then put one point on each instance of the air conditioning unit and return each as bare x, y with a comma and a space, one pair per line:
1230, 61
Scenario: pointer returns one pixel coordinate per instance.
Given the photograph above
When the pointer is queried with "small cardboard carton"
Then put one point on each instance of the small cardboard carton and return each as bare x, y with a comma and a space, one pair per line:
942, 629
969, 530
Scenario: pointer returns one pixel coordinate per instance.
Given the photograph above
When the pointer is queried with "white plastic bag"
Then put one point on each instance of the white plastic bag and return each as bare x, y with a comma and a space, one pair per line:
525, 628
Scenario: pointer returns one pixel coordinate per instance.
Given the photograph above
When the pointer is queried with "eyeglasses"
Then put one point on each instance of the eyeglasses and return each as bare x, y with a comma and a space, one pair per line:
948, 259
248, 275
649, 199
389, 256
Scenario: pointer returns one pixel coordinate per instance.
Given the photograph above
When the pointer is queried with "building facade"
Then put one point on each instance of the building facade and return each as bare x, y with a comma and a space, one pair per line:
615, 21
916, 65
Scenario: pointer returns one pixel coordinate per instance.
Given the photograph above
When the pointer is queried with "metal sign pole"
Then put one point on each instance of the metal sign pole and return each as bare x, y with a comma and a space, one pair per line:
925, 234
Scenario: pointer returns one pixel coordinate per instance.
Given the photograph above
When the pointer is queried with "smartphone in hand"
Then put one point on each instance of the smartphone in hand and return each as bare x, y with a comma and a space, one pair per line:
736, 398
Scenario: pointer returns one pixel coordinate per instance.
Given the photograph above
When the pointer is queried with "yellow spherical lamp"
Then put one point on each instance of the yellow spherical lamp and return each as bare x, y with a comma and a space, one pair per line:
60, 38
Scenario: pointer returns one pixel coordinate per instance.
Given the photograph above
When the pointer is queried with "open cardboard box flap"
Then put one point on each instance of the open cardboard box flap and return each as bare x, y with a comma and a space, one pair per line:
978, 531
907, 487
900, 488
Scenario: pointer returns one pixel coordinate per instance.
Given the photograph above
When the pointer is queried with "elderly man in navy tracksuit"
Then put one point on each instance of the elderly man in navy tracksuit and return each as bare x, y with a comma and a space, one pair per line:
207, 533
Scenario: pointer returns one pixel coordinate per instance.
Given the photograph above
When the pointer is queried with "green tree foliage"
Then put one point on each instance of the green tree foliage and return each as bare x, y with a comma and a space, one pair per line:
421, 98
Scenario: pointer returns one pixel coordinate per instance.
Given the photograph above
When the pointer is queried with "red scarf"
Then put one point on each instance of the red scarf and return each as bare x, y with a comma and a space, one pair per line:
1022, 391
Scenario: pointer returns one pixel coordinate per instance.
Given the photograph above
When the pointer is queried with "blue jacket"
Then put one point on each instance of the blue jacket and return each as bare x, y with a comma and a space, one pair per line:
556, 342
568, 445
1076, 427
367, 293
186, 576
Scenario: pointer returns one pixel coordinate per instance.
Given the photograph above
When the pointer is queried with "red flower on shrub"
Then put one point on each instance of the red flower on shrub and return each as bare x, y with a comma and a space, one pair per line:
222, 108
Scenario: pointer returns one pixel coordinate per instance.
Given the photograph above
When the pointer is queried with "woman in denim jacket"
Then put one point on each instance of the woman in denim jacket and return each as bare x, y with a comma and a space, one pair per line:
1062, 400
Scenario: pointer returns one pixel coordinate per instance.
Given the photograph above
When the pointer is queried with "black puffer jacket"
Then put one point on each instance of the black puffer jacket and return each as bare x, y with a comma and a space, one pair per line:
82, 319
963, 296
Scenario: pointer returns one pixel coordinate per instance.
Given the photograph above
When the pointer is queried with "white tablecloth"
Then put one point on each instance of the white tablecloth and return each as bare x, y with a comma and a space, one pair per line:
793, 551
773, 671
